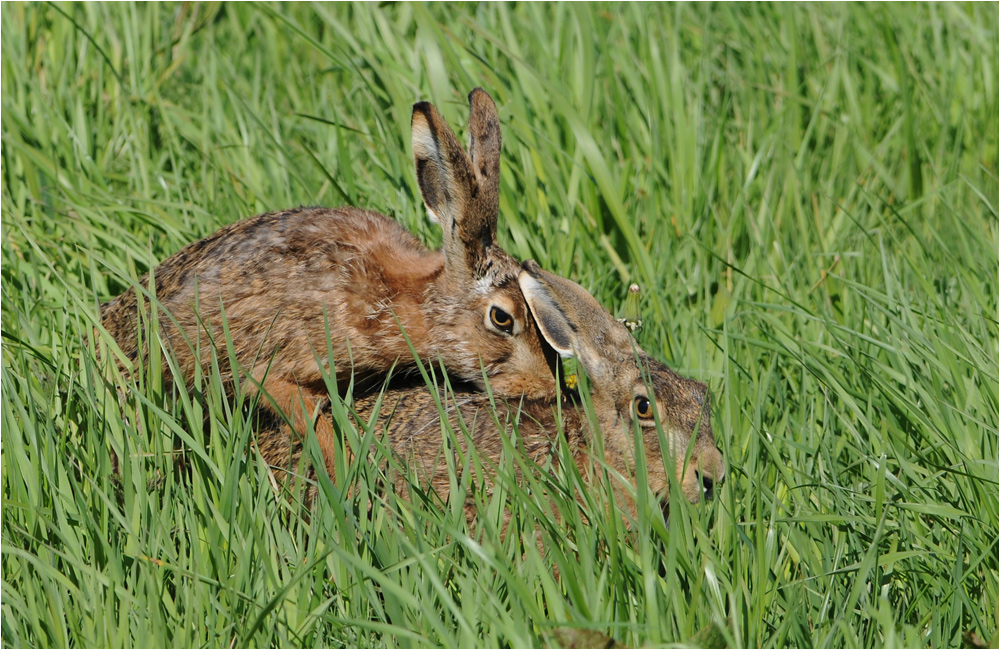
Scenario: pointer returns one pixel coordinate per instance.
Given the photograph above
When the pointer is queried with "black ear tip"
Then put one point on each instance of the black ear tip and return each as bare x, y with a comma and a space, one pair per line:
531, 266
423, 108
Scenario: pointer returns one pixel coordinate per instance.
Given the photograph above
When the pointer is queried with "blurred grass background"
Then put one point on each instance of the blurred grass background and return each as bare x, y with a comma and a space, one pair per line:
807, 195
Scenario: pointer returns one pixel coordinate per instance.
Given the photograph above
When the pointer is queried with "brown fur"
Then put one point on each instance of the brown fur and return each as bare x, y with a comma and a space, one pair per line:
619, 371
282, 281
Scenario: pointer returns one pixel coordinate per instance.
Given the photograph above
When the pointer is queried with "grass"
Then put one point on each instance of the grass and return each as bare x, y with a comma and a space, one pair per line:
807, 195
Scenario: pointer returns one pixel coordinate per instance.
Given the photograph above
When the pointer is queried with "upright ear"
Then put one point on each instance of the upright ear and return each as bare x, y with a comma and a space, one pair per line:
484, 147
443, 170
459, 193
575, 324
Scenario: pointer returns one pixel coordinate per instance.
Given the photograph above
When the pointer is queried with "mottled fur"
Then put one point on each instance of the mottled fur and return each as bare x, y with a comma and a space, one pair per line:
619, 372
282, 281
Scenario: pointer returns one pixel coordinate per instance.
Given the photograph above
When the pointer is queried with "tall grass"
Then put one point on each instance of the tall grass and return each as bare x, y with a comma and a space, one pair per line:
807, 195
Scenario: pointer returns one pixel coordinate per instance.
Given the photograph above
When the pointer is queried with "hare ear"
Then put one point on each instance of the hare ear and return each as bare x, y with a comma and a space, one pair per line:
451, 191
553, 322
574, 323
484, 148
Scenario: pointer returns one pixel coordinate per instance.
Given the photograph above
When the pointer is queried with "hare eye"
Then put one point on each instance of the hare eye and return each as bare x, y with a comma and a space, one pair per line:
501, 320
643, 408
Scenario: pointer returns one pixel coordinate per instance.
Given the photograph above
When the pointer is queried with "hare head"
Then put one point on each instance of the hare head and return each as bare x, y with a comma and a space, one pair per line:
628, 388
479, 321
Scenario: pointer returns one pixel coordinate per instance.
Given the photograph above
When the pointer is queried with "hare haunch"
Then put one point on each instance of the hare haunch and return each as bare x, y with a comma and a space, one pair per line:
627, 388
281, 282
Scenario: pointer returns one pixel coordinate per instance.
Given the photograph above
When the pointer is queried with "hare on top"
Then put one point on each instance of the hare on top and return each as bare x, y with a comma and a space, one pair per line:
281, 282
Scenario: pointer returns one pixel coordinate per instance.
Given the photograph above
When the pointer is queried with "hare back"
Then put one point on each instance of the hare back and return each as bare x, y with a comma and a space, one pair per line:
282, 281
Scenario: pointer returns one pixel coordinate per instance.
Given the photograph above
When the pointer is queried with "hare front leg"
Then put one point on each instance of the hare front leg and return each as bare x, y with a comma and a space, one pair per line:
302, 405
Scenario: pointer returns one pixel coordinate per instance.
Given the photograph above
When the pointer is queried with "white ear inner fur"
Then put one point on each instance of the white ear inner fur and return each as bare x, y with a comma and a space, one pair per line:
432, 216
534, 290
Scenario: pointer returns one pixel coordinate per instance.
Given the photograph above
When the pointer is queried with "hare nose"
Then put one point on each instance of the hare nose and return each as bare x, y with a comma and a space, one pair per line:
707, 485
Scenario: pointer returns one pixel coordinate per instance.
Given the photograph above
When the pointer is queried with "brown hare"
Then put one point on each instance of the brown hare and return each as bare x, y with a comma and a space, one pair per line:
628, 388
281, 282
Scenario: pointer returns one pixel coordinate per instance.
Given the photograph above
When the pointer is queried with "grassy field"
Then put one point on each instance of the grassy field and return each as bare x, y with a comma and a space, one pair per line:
807, 195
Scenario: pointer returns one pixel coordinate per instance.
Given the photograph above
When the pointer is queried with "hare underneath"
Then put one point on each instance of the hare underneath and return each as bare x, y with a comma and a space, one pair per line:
287, 284
628, 389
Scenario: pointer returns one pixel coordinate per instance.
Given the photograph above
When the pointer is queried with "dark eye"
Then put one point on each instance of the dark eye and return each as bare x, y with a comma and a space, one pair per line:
501, 320
643, 408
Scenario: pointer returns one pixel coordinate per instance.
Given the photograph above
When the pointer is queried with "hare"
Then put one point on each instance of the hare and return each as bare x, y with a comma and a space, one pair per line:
287, 284
628, 388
